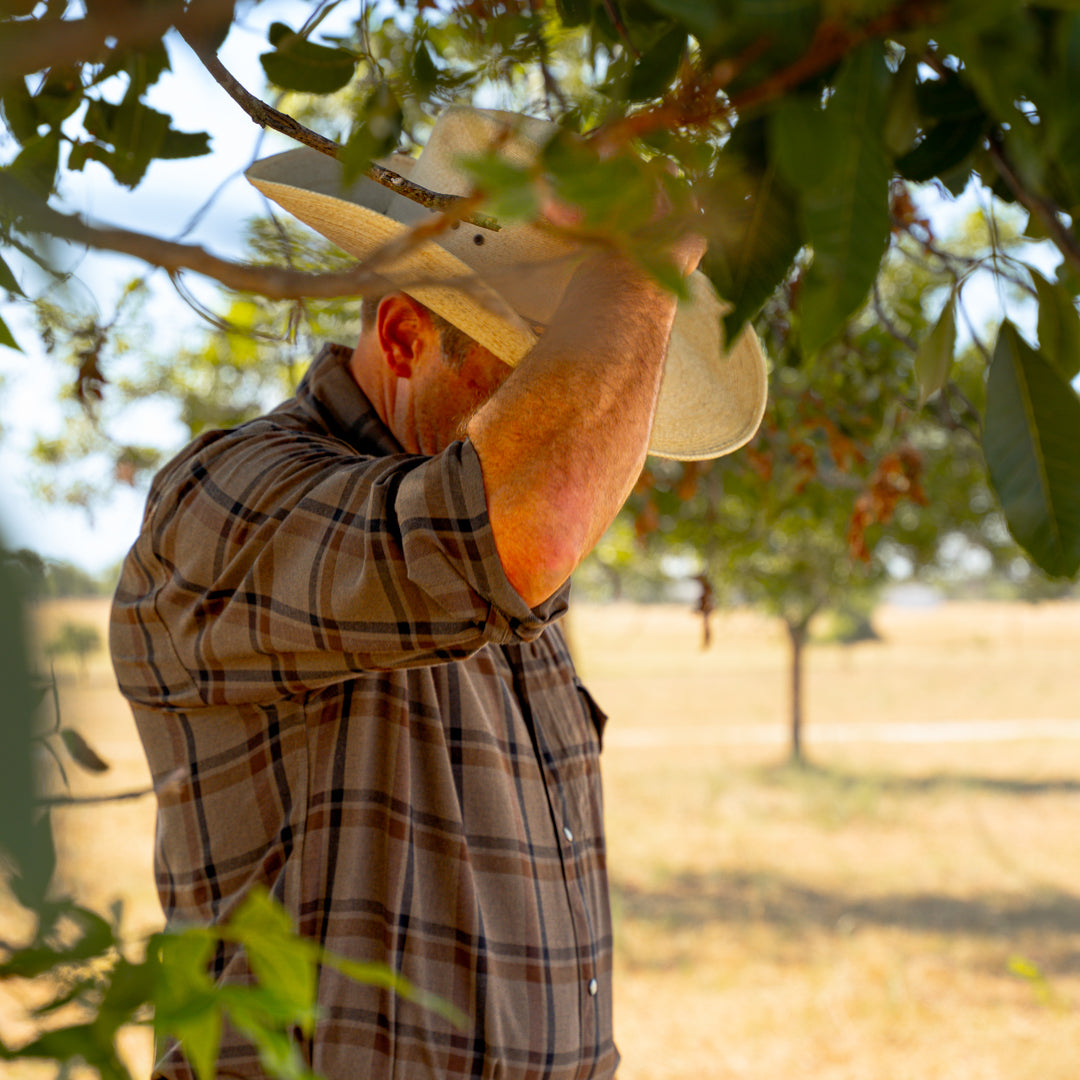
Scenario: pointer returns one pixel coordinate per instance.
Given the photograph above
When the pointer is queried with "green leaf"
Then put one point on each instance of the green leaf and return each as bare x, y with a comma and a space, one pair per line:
806, 145
703, 18
573, 12
382, 975
184, 144
200, 1037
7, 279
283, 962
6, 337
935, 355
509, 188
134, 130
37, 163
20, 111
375, 133
1030, 444
947, 99
425, 73
944, 147
298, 64
95, 936
846, 215
653, 72
758, 231
1059, 326
662, 269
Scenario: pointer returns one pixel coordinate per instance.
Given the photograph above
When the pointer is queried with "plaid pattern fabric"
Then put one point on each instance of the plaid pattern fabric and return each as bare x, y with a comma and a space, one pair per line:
374, 725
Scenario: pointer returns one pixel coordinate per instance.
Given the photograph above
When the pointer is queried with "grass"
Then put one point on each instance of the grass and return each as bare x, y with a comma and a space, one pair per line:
895, 910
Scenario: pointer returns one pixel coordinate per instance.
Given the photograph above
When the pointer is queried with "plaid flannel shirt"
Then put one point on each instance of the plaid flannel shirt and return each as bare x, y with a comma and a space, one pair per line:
370, 722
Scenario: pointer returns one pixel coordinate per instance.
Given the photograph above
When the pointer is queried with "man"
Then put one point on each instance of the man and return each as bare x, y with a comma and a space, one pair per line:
341, 620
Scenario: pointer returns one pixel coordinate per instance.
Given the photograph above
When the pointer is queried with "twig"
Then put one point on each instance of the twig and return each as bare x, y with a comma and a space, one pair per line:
700, 105
273, 282
886, 321
976, 340
620, 27
1044, 210
950, 390
93, 800
551, 84
267, 116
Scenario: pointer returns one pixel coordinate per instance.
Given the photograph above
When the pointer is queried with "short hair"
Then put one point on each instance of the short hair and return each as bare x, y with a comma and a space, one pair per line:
455, 343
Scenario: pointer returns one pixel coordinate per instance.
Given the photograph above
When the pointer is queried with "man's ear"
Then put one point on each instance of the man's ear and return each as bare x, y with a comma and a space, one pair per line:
404, 332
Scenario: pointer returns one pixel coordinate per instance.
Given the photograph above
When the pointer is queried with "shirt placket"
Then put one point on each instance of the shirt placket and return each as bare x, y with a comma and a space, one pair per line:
569, 835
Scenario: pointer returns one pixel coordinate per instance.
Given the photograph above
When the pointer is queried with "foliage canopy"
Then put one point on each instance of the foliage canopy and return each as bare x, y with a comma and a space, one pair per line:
801, 128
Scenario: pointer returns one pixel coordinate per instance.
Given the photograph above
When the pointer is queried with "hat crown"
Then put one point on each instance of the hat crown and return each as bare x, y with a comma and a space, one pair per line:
462, 132
501, 287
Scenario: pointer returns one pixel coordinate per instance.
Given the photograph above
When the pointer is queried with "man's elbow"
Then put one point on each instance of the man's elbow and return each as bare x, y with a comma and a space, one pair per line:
537, 566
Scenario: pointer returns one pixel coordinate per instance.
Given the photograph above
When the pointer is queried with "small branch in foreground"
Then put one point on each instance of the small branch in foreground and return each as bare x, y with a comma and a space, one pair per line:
272, 282
267, 116
93, 800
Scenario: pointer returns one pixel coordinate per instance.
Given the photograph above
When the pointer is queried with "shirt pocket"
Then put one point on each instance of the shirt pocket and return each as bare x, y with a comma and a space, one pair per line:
597, 716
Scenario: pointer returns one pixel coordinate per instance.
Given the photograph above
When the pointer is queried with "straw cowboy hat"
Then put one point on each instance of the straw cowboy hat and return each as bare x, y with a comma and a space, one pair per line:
502, 287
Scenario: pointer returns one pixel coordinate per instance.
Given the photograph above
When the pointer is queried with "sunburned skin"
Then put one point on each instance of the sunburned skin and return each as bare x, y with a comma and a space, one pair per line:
563, 436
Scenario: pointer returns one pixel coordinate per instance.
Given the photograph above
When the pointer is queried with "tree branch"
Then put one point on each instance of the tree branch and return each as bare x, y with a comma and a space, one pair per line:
1042, 209
698, 103
273, 282
32, 45
266, 116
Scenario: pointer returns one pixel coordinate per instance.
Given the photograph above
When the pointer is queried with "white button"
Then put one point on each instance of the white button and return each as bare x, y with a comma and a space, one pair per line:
594, 986
566, 831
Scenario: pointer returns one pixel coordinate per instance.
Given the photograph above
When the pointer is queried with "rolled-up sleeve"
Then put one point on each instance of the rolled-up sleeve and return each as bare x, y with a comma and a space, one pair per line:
273, 563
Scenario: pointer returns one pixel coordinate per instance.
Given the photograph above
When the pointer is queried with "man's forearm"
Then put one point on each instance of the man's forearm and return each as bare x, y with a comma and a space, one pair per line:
563, 440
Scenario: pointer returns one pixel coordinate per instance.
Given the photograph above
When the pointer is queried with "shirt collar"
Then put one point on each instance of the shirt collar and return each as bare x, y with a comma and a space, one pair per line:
330, 394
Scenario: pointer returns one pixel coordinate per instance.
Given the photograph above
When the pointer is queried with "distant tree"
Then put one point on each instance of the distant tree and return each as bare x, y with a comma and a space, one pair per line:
812, 515
76, 639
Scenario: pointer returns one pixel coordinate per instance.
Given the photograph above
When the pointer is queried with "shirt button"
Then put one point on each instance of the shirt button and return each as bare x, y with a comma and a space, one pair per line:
594, 986
568, 833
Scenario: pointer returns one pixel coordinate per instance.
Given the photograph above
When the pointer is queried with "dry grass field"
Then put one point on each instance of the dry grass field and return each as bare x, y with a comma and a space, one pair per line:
906, 908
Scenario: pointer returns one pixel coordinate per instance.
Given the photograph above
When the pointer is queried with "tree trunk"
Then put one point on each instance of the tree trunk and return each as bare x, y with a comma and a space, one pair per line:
797, 638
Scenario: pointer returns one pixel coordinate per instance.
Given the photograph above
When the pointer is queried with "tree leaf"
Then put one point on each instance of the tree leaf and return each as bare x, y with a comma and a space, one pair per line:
1030, 443
82, 753
425, 73
806, 146
7, 338
298, 64
375, 133
184, 144
935, 355
943, 147
1059, 326
847, 215
703, 20
200, 1036
37, 163
573, 12
282, 962
7, 279
654, 71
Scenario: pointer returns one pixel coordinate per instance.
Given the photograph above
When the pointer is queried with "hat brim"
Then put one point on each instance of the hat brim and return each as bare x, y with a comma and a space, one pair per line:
711, 398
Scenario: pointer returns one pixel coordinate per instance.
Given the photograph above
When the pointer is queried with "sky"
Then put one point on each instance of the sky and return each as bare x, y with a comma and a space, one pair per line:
162, 204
